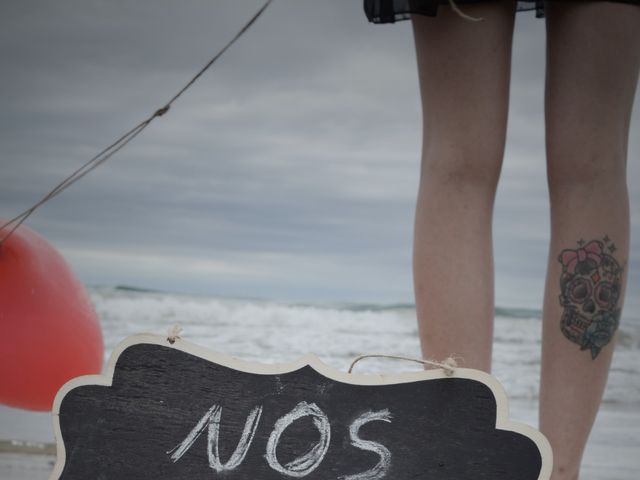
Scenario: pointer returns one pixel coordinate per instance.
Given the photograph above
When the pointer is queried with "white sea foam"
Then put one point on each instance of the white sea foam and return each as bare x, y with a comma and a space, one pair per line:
274, 332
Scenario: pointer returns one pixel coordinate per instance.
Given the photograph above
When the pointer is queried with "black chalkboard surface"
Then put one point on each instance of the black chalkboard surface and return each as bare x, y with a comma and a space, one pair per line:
182, 412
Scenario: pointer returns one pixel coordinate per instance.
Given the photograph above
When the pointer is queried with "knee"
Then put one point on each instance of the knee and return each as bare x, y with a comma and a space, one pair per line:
461, 168
583, 170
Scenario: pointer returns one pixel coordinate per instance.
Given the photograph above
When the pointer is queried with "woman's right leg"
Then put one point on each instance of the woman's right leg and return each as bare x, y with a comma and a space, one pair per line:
464, 70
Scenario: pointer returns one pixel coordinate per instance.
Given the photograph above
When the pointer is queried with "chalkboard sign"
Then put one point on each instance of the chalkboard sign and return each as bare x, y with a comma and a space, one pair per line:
178, 411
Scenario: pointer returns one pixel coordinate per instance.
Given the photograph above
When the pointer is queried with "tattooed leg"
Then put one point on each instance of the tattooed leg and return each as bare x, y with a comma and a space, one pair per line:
583, 302
586, 170
590, 287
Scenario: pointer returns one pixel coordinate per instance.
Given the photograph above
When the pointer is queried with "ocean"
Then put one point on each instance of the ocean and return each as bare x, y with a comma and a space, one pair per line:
274, 332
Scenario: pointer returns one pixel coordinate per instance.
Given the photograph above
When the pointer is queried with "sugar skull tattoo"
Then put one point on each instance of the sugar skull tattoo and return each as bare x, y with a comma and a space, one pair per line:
590, 287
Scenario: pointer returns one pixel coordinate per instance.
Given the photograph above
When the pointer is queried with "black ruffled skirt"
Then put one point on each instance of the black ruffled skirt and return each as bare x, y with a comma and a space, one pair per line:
390, 11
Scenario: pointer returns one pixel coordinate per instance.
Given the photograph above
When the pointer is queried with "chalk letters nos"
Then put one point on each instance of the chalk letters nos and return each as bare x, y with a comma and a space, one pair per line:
302, 465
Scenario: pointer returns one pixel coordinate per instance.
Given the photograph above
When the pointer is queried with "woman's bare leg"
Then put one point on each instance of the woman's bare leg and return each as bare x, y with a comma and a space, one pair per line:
464, 71
593, 57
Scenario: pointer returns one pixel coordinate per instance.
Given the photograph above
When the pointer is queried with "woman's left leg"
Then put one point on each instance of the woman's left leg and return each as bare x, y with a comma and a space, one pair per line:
593, 60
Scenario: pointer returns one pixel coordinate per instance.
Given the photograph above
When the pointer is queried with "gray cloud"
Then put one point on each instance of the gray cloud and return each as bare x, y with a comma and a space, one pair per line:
290, 170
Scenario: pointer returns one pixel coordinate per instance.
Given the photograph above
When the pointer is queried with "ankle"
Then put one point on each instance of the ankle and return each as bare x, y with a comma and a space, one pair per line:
564, 473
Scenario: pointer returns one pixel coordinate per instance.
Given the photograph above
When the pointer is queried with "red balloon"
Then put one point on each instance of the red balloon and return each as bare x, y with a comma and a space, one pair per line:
50, 331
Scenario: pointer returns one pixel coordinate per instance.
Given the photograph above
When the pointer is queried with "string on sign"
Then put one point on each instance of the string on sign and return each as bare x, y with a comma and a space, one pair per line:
448, 366
123, 140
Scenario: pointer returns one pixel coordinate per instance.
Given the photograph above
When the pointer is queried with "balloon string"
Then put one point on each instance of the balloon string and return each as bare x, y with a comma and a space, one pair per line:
121, 142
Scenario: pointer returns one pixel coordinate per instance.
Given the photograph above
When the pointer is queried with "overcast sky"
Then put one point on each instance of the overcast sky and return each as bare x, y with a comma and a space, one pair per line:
289, 171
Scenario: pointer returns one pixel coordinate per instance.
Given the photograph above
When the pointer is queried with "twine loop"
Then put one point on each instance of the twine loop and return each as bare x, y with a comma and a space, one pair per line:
448, 365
